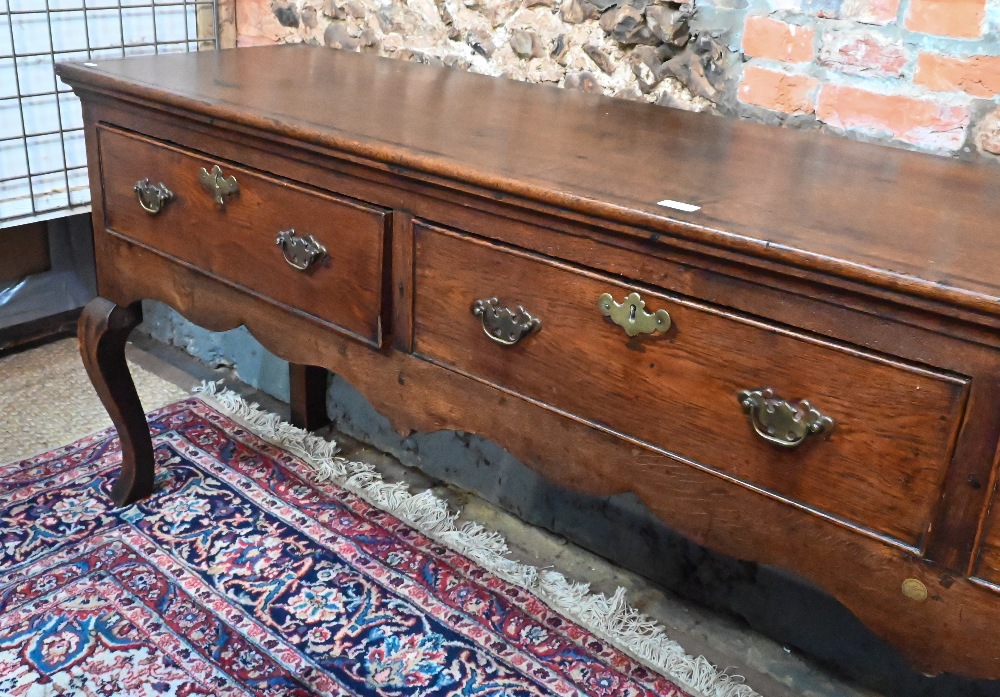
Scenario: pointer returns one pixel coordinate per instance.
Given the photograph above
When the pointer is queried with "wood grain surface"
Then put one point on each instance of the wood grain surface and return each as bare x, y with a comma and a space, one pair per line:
237, 240
678, 391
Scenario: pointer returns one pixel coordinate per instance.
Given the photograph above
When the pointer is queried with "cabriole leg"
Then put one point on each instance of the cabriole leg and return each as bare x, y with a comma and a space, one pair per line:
103, 330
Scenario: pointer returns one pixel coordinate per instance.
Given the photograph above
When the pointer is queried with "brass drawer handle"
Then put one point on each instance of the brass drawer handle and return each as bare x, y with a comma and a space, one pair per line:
783, 423
152, 197
300, 252
631, 315
503, 325
217, 185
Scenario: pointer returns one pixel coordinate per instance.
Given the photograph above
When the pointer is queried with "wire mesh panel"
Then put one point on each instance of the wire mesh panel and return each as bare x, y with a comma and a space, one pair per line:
43, 170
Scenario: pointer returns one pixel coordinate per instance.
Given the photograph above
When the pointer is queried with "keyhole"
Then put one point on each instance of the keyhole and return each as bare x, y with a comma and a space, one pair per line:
631, 313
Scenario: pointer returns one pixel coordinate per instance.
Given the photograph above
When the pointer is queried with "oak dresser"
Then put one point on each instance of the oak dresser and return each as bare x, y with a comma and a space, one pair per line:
786, 344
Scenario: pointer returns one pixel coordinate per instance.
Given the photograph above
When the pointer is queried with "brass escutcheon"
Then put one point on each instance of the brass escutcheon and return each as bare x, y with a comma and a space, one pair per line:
631, 315
502, 324
781, 422
218, 186
152, 197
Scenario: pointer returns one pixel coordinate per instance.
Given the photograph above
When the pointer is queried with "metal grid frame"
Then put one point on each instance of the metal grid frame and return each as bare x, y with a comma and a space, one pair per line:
41, 127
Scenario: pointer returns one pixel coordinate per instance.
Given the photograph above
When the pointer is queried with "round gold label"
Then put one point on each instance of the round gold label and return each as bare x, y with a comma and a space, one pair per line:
914, 589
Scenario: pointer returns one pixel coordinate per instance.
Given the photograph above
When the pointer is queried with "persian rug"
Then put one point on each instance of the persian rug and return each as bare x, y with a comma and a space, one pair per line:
263, 564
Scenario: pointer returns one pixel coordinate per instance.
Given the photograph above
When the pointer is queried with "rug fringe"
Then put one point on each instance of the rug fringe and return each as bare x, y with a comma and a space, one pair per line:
611, 618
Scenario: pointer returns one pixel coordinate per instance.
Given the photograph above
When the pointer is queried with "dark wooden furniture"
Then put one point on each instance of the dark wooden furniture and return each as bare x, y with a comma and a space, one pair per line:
863, 279
24, 250
19, 336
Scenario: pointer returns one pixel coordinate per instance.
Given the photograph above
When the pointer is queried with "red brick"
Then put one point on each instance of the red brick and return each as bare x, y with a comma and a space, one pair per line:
862, 52
764, 37
977, 75
777, 91
925, 123
961, 18
870, 11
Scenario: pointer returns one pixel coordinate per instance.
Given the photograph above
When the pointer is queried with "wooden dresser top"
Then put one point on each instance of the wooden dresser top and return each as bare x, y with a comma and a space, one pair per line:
909, 222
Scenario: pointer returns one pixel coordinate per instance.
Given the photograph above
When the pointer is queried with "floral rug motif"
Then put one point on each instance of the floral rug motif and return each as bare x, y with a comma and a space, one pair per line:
242, 575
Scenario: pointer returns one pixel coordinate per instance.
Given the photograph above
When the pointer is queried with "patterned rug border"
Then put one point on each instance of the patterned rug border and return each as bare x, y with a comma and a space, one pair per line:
611, 618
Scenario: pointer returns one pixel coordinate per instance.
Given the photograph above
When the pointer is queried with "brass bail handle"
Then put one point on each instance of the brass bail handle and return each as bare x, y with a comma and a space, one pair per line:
152, 197
301, 253
504, 325
217, 185
782, 422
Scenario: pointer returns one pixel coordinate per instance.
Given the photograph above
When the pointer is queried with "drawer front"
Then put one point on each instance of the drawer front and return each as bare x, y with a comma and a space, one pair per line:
237, 240
881, 468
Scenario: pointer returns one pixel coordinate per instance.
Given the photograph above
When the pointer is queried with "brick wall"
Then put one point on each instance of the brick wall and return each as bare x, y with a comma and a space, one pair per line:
920, 74
917, 73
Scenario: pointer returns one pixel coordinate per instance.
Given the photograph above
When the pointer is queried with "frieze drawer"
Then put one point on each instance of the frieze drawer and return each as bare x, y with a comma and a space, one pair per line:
857, 437
315, 252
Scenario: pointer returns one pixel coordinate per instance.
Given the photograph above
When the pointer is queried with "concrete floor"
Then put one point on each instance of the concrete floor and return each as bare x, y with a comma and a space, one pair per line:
163, 373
